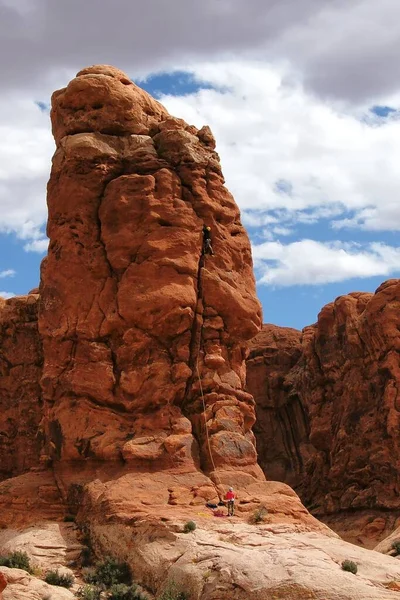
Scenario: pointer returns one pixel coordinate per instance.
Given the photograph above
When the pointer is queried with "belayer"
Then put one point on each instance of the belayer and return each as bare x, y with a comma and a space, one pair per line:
207, 248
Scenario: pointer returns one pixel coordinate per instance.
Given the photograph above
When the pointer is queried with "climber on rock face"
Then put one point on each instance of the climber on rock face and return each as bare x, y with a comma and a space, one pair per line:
207, 248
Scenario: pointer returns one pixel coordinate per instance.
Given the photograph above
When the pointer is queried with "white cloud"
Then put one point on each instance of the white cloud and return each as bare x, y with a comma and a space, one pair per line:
7, 273
6, 295
39, 246
26, 147
308, 262
332, 162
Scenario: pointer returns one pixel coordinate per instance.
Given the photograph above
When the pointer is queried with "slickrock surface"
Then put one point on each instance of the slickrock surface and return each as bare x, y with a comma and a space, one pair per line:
331, 393
21, 407
224, 559
130, 312
50, 545
21, 586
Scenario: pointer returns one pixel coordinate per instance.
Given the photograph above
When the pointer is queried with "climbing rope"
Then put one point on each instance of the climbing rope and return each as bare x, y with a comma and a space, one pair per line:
203, 400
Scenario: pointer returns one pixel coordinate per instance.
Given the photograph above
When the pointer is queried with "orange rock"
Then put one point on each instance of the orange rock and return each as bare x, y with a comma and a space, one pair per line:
21, 408
3, 584
132, 315
328, 404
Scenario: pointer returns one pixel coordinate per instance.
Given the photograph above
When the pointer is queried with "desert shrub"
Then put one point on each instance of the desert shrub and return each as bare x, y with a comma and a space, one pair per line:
172, 592
120, 591
258, 515
61, 579
189, 526
16, 560
109, 572
396, 547
88, 592
349, 565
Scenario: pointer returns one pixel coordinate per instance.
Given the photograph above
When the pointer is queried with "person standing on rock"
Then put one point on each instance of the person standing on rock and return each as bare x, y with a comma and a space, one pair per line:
207, 248
230, 498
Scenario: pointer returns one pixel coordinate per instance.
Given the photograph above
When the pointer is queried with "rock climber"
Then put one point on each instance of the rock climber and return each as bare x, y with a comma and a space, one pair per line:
230, 500
207, 248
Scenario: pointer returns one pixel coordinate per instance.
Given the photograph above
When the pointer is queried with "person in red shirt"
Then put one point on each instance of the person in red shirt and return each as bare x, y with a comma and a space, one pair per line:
230, 498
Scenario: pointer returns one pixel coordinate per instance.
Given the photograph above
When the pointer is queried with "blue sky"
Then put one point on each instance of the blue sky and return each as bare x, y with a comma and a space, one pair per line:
308, 130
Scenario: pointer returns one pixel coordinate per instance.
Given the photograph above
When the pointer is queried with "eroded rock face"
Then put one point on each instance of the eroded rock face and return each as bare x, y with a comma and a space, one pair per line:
3, 584
21, 409
282, 425
132, 314
345, 382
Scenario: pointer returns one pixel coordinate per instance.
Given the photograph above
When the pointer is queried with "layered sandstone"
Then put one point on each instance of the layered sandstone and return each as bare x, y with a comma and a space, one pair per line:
337, 382
21, 408
133, 320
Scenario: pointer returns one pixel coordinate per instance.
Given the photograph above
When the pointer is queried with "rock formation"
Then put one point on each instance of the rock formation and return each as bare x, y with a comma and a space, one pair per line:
3, 584
132, 316
129, 387
331, 392
20, 394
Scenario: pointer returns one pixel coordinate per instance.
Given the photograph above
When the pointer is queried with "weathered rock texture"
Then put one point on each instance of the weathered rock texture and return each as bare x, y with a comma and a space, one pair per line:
21, 409
3, 584
328, 403
131, 319
130, 312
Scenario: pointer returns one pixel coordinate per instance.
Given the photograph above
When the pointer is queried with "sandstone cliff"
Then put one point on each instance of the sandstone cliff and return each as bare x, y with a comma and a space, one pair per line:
132, 316
20, 395
328, 404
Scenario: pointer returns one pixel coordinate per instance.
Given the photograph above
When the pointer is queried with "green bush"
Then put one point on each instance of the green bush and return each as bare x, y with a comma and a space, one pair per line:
16, 560
171, 592
396, 547
108, 573
349, 565
62, 579
89, 592
120, 591
189, 526
258, 515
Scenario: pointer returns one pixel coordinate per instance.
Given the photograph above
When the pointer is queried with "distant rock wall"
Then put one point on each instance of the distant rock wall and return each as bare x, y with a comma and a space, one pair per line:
21, 407
328, 403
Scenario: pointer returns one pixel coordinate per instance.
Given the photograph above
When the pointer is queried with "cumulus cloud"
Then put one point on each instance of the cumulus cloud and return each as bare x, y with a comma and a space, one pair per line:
26, 147
39, 246
6, 295
308, 262
339, 49
287, 153
7, 273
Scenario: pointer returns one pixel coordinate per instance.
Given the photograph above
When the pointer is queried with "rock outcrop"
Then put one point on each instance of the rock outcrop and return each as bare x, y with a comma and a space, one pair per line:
132, 316
336, 383
21, 407
21, 586
3, 585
